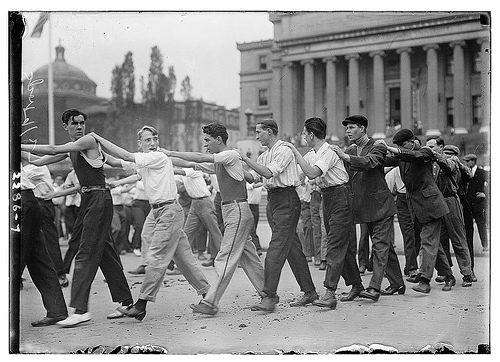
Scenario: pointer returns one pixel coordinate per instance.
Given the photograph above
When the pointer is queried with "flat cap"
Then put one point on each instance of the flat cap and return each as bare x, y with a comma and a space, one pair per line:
403, 135
470, 157
356, 118
451, 149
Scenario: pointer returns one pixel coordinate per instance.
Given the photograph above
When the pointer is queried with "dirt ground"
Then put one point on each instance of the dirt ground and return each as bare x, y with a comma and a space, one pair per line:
458, 320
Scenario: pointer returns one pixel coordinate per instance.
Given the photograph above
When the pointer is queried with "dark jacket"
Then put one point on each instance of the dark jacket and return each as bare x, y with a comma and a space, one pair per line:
478, 183
425, 201
372, 199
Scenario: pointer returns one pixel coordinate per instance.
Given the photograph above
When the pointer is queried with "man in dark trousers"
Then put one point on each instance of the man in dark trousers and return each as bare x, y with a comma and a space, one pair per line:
93, 225
476, 196
373, 204
426, 203
34, 254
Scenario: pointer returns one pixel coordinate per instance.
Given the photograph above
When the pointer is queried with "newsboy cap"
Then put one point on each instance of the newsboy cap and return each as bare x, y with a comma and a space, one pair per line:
451, 149
402, 135
470, 157
356, 118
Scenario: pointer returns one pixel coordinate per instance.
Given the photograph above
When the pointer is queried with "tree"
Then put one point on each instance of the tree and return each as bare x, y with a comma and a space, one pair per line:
128, 80
155, 92
186, 89
117, 86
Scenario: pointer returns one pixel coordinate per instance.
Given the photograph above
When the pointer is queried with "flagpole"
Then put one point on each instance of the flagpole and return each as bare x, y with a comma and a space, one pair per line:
51, 89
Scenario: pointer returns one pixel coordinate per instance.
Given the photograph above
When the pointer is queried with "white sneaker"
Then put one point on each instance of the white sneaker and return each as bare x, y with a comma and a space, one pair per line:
137, 252
74, 320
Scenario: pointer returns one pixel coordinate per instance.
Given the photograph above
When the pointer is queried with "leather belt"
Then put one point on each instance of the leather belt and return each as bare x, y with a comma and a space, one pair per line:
162, 204
331, 188
233, 201
84, 189
280, 189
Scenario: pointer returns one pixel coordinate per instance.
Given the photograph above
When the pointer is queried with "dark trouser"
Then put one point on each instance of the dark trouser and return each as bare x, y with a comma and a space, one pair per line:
254, 208
385, 260
70, 216
140, 209
433, 255
118, 228
453, 229
340, 260
283, 212
306, 229
315, 206
364, 256
407, 226
51, 235
469, 227
218, 211
34, 255
479, 214
93, 228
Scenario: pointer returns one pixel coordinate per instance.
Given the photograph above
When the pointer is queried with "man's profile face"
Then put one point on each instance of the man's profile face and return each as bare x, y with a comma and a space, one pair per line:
148, 142
262, 135
75, 127
353, 131
432, 144
211, 143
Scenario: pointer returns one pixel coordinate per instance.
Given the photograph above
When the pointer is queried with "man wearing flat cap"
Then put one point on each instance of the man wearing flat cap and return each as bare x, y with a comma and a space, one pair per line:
453, 227
373, 204
476, 196
426, 203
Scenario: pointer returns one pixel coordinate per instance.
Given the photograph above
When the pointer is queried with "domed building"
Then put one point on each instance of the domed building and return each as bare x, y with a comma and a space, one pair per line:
72, 89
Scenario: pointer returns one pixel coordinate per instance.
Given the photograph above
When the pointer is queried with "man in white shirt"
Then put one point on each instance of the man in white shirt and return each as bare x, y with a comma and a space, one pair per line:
162, 229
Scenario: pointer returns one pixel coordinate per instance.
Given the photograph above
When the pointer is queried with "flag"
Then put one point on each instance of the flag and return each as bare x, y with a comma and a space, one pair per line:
37, 30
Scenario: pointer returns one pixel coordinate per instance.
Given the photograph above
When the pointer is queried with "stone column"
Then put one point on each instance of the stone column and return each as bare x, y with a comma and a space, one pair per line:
276, 95
332, 126
353, 83
405, 87
377, 124
287, 122
485, 81
308, 87
459, 87
431, 123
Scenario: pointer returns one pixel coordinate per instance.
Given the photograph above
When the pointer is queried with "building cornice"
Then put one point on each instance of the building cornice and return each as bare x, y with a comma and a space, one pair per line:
454, 19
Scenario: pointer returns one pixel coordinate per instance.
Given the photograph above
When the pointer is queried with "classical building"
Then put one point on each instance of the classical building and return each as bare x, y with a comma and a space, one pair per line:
427, 71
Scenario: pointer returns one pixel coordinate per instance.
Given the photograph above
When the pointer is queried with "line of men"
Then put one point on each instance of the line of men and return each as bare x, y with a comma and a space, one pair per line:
353, 188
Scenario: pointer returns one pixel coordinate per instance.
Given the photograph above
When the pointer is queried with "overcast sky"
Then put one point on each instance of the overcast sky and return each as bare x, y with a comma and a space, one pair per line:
201, 45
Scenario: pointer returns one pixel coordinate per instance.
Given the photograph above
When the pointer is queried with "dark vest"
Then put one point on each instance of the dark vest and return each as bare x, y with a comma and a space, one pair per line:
230, 189
87, 175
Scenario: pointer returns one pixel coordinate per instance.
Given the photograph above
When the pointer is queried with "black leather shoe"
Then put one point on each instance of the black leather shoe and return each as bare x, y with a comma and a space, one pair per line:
440, 279
422, 288
400, 289
473, 277
467, 281
132, 312
414, 278
449, 283
353, 293
305, 299
370, 293
328, 300
47, 321
322, 265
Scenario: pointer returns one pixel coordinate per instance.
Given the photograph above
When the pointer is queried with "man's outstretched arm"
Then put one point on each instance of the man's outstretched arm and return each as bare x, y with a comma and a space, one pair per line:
87, 142
113, 149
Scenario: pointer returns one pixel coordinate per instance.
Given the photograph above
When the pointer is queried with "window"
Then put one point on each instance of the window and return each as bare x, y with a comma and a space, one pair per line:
262, 97
449, 112
476, 110
476, 62
449, 65
262, 62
